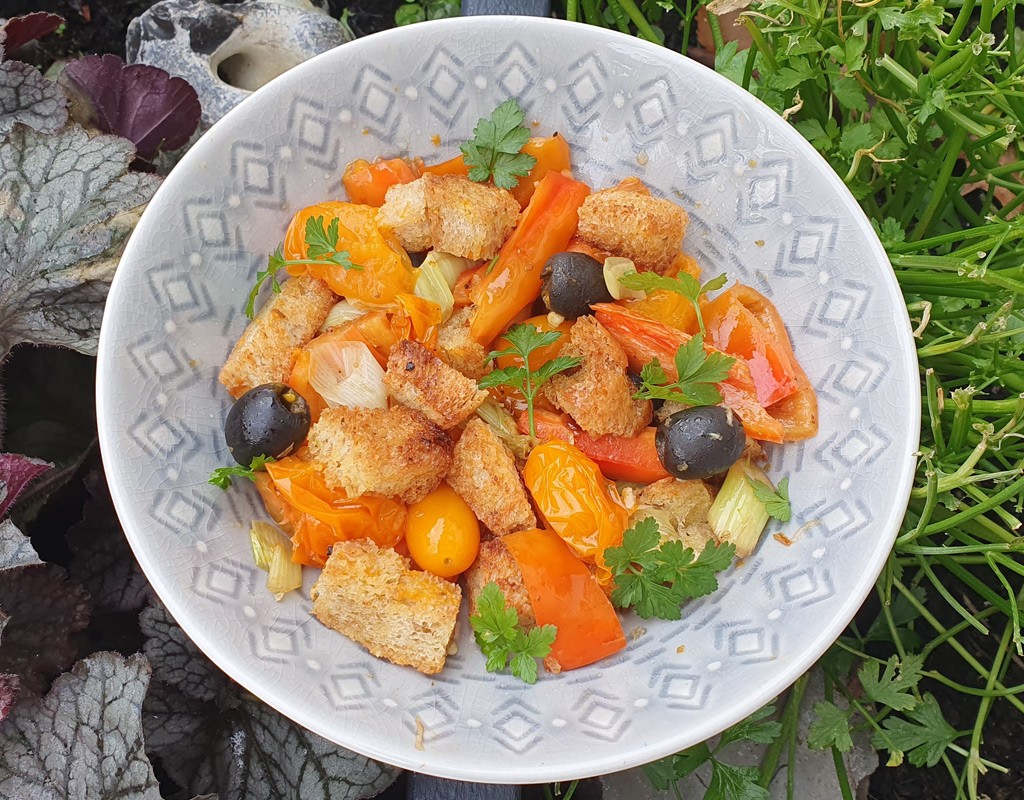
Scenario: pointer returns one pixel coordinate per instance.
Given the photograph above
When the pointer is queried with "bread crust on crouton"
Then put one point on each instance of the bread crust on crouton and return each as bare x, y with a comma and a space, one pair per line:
450, 213
484, 474
495, 564
372, 596
458, 346
417, 378
683, 506
395, 452
265, 352
598, 395
648, 230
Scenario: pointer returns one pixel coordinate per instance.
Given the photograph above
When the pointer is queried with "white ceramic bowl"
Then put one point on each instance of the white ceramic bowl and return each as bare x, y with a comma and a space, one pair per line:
764, 208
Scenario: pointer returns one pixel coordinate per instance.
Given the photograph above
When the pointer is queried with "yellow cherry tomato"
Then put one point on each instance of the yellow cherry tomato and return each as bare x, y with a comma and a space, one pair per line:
442, 533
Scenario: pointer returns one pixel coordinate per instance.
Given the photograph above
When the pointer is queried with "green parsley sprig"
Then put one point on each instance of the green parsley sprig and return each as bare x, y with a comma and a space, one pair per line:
222, 476
699, 373
321, 248
524, 339
504, 641
775, 501
683, 284
493, 152
655, 578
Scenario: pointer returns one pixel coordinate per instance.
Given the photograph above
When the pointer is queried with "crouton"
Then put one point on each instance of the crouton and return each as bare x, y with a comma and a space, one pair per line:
681, 508
495, 564
450, 213
646, 229
419, 379
371, 595
405, 212
459, 348
484, 474
598, 394
395, 452
266, 350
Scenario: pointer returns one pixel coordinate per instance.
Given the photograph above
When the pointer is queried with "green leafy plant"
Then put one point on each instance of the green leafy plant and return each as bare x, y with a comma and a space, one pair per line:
421, 10
775, 501
493, 152
654, 578
699, 373
682, 284
504, 641
524, 339
321, 249
223, 476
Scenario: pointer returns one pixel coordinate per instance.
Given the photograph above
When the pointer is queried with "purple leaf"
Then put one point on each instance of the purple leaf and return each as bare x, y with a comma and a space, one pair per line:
141, 103
9, 685
22, 30
16, 472
45, 611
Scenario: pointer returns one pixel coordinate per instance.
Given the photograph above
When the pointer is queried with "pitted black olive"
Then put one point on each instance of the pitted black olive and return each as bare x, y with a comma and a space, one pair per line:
697, 443
269, 420
572, 283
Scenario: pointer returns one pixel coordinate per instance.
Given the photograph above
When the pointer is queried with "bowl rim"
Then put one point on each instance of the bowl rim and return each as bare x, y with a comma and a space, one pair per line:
504, 770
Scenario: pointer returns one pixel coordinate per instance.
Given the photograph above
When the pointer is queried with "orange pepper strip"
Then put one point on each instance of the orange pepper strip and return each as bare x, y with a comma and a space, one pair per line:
367, 183
576, 501
552, 154
563, 593
577, 245
417, 319
544, 229
644, 339
299, 381
453, 166
320, 517
798, 413
465, 284
734, 329
386, 268
621, 458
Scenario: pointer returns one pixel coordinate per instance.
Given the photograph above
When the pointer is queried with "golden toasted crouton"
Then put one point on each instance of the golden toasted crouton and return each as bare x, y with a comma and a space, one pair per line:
495, 564
484, 474
266, 350
450, 213
419, 379
405, 212
681, 508
397, 452
370, 594
646, 229
598, 394
459, 348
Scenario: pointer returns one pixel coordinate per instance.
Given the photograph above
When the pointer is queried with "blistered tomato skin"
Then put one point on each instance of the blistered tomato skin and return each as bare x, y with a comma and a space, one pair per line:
269, 420
442, 533
700, 442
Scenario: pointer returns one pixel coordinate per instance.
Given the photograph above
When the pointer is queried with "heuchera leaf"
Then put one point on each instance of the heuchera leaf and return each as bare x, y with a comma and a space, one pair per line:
84, 739
102, 560
16, 472
19, 31
15, 548
69, 204
29, 98
45, 610
141, 103
226, 742
9, 684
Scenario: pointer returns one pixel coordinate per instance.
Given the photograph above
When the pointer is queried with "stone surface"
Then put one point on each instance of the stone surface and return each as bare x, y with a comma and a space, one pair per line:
814, 776
227, 51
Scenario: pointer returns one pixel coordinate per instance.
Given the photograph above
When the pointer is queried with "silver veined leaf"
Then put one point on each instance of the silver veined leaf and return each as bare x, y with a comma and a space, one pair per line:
15, 547
84, 739
67, 205
9, 684
29, 98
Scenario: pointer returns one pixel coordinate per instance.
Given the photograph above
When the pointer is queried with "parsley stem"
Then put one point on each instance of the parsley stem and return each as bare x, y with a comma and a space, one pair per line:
790, 716
322, 262
642, 25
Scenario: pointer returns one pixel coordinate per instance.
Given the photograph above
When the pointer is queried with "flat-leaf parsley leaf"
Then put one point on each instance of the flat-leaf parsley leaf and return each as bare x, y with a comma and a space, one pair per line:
222, 476
493, 152
683, 284
775, 501
699, 373
504, 641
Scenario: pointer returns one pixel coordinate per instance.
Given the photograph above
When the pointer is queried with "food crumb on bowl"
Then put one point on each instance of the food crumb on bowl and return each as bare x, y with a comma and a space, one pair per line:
637, 632
681, 648
420, 730
436, 140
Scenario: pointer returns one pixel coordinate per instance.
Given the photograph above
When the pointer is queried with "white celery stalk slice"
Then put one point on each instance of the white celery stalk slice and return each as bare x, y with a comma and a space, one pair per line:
737, 515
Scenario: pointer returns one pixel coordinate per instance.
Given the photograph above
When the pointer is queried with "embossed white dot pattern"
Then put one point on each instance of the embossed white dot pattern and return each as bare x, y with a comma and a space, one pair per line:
764, 208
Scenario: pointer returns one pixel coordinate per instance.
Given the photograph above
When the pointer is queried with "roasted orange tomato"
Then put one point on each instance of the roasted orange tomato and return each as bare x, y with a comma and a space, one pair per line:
416, 319
442, 533
386, 268
367, 182
300, 502
576, 501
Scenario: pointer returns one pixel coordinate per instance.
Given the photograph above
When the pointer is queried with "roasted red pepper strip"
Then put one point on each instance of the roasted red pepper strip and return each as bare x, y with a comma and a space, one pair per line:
544, 229
644, 339
563, 593
621, 458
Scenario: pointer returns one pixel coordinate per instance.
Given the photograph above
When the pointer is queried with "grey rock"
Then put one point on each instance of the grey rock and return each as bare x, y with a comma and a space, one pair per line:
228, 51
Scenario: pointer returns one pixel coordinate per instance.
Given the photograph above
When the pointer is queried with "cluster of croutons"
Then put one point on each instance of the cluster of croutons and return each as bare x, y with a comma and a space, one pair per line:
430, 433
